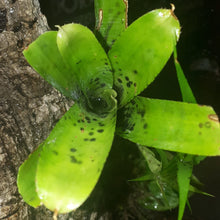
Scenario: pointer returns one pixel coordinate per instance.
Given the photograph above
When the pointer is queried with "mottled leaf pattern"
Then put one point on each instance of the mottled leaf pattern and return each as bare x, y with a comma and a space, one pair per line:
72, 158
141, 52
155, 123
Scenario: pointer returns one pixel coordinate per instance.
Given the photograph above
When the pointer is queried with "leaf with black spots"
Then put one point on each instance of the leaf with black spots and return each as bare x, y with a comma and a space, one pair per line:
70, 161
141, 52
87, 59
175, 126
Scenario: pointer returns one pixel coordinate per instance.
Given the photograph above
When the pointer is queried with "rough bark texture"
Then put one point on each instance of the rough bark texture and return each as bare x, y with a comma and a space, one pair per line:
29, 107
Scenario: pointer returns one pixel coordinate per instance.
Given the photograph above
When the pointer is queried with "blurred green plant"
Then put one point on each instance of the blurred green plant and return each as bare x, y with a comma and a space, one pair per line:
104, 77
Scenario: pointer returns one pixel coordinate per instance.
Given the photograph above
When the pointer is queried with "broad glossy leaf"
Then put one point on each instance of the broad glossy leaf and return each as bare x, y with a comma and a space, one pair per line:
111, 19
88, 60
43, 55
72, 158
141, 52
26, 179
170, 125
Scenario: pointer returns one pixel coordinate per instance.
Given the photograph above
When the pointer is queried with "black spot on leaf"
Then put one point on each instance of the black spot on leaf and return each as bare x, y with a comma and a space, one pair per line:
91, 133
102, 85
101, 124
119, 80
73, 150
133, 102
135, 71
100, 130
141, 112
145, 126
87, 118
200, 125
55, 152
129, 84
74, 160
92, 139
208, 124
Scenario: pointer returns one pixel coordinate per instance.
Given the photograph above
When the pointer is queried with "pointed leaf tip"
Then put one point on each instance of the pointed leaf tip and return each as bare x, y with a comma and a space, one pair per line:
136, 66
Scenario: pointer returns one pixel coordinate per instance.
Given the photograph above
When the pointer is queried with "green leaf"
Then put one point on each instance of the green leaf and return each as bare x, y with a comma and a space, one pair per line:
111, 19
26, 179
158, 196
153, 164
89, 62
72, 158
184, 172
187, 94
170, 125
183, 177
141, 52
43, 55
195, 190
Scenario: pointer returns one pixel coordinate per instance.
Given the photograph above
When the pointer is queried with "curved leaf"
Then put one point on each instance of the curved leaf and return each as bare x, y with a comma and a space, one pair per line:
170, 125
111, 19
141, 52
72, 158
26, 179
43, 55
88, 60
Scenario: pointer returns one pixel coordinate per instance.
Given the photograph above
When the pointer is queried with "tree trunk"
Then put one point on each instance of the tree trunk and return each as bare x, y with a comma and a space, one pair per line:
29, 107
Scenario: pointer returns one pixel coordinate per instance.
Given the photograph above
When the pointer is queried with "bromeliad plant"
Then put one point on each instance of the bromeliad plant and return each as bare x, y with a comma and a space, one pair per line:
104, 78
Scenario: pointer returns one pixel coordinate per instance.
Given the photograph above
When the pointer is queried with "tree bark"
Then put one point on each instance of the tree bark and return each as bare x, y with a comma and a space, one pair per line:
29, 107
